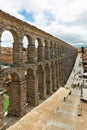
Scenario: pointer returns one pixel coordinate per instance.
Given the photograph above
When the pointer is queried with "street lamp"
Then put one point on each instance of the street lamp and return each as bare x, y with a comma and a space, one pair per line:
81, 90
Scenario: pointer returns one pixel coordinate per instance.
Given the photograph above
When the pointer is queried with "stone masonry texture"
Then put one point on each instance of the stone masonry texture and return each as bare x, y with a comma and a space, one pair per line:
48, 67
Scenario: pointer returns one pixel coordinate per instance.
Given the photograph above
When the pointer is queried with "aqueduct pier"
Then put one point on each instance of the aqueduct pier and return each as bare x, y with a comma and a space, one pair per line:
44, 72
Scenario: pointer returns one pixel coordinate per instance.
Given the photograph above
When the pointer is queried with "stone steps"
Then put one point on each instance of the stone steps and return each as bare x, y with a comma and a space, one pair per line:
65, 116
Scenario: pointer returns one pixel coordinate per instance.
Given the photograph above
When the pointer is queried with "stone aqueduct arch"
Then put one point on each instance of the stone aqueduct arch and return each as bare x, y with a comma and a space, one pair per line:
44, 74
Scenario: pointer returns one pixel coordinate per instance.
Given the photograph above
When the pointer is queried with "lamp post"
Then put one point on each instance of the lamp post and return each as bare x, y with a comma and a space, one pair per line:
81, 90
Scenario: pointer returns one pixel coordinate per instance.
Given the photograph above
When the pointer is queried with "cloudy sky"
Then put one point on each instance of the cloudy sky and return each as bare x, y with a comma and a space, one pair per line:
65, 19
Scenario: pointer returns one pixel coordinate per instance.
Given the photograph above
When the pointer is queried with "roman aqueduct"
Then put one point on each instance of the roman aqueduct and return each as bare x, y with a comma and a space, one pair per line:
41, 75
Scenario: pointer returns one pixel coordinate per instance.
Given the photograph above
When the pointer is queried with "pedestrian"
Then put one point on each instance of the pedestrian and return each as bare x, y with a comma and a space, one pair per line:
78, 84
72, 85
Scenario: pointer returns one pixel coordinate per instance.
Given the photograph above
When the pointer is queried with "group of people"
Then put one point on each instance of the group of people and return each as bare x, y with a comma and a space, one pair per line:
77, 80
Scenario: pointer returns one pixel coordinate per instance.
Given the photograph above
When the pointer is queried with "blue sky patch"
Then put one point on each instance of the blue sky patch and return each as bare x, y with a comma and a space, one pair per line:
28, 15
49, 17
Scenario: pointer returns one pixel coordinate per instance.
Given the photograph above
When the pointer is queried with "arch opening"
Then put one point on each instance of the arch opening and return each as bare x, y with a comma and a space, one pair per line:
40, 81
7, 40
30, 85
53, 77
47, 70
56, 68
36, 48
25, 46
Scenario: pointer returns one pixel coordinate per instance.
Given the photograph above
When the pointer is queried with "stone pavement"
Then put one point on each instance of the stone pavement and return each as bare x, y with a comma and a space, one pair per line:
81, 121
38, 117
74, 76
62, 111
65, 116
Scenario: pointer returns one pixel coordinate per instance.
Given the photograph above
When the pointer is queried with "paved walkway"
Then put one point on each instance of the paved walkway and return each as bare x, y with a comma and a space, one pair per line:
72, 114
75, 80
38, 117
75, 76
65, 117
61, 111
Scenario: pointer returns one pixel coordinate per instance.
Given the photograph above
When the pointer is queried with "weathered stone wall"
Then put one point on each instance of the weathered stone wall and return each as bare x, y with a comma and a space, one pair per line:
17, 94
1, 110
46, 70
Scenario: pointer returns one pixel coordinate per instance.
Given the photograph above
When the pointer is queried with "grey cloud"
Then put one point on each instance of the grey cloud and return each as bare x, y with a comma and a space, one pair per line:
81, 20
74, 39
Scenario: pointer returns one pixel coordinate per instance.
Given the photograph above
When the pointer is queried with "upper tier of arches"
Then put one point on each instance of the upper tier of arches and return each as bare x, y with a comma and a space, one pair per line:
48, 47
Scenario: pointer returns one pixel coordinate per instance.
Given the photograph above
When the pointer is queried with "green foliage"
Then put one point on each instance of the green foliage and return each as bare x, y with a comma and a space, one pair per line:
6, 102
